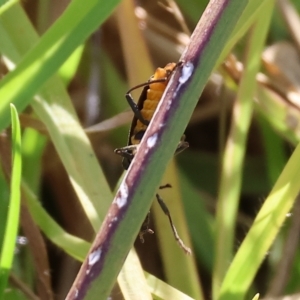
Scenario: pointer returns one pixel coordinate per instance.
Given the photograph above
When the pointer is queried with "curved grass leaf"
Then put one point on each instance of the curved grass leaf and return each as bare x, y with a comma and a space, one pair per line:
12, 224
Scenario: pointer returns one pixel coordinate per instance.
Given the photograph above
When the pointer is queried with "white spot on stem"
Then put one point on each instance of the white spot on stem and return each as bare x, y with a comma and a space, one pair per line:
187, 71
151, 141
94, 256
123, 195
76, 293
168, 104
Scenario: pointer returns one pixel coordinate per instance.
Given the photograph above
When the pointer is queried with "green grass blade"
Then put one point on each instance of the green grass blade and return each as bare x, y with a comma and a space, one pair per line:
33, 146
277, 111
275, 160
12, 224
162, 290
262, 233
78, 21
69, 67
54, 108
4, 196
268, 221
2, 2
247, 18
132, 279
256, 297
232, 165
74, 150
72, 245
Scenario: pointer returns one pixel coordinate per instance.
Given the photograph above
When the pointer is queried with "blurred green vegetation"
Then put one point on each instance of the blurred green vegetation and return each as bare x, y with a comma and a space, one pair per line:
74, 115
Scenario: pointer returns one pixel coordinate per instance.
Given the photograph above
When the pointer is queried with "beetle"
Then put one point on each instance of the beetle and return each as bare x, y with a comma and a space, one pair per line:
143, 111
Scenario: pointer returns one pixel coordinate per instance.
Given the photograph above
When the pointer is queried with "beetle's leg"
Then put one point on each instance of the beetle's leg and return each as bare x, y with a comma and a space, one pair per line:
182, 145
127, 151
168, 185
165, 209
135, 109
124, 153
145, 228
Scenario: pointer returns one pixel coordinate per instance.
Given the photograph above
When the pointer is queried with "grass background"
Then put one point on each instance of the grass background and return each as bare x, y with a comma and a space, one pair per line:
74, 77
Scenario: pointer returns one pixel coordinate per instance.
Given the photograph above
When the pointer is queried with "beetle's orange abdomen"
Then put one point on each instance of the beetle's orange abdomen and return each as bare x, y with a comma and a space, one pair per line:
154, 94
